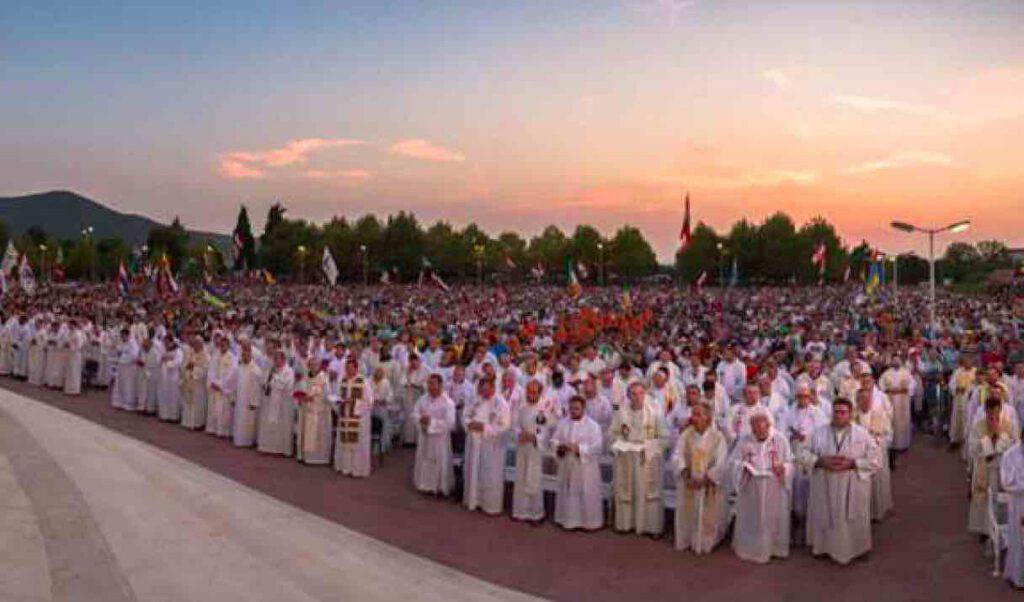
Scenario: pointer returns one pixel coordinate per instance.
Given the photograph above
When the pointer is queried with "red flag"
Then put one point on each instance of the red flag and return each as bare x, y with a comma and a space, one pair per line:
684, 234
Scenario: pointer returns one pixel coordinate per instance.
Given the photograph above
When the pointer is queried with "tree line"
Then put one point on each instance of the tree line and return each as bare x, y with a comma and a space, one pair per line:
775, 251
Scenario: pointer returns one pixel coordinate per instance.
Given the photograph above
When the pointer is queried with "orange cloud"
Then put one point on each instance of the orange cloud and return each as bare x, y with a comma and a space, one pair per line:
253, 164
907, 159
417, 148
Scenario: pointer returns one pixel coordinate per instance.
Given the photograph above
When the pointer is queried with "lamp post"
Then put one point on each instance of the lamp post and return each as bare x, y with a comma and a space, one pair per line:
87, 235
366, 265
895, 274
42, 263
722, 252
954, 228
600, 263
479, 251
302, 263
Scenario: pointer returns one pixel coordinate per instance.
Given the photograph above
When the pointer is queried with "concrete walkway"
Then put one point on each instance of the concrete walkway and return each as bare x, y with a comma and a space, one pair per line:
90, 515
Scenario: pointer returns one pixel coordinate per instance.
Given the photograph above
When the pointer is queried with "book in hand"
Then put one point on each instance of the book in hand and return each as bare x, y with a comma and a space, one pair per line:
755, 472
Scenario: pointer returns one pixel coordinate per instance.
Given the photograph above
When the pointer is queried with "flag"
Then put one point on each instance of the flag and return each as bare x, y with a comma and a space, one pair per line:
268, 278
573, 287
819, 256
847, 273
330, 268
508, 262
121, 280
537, 271
214, 300
699, 284
60, 255
237, 245
440, 283
818, 259
165, 282
684, 234
873, 280
734, 279
500, 295
10, 260
26, 277
3, 283
627, 299
384, 277
582, 269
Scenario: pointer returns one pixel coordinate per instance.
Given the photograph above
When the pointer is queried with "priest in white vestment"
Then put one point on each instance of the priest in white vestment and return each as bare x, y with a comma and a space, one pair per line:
250, 378
487, 419
699, 462
1011, 471
75, 343
193, 385
639, 437
843, 457
989, 438
531, 424
897, 382
56, 354
737, 418
147, 369
276, 430
169, 394
412, 382
578, 444
763, 476
877, 422
315, 416
37, 354
799, 422
435, 411
7, 345
122, 391
221, 381
354, 406
960, 384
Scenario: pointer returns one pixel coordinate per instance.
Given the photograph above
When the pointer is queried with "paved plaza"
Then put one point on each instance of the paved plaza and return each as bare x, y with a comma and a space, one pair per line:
105, 505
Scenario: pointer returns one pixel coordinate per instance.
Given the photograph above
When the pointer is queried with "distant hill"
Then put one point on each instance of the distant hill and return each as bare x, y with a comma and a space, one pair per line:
65, 214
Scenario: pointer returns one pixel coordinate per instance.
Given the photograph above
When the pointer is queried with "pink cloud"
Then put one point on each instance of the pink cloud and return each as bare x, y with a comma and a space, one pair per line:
344, 174
417, 148
238, 170
253, 164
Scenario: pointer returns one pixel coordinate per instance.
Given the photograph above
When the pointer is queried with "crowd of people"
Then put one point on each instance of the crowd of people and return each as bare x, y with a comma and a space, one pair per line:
777, 413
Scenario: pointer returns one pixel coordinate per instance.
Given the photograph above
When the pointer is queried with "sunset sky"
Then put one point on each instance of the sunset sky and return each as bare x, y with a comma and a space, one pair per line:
520, 114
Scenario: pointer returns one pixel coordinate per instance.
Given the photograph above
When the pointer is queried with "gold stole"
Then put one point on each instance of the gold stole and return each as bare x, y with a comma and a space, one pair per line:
348, 422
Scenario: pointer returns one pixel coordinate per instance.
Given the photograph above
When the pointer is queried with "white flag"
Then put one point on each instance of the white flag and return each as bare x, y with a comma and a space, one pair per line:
10, 258
330, 268
26, 277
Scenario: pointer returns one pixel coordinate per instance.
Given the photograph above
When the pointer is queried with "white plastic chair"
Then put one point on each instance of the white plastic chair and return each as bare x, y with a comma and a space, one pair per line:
998, 524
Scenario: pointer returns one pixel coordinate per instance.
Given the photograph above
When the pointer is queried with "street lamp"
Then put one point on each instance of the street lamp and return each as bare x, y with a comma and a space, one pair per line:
42, 261
366, 265
954, 228
479, 249
600, 262
87, 234
302, 263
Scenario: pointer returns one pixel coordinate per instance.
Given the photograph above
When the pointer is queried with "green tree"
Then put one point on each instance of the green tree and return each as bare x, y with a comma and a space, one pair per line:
550, 249
171, 241
699, 256
243, 233
630, 256
402, 245
812, 234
